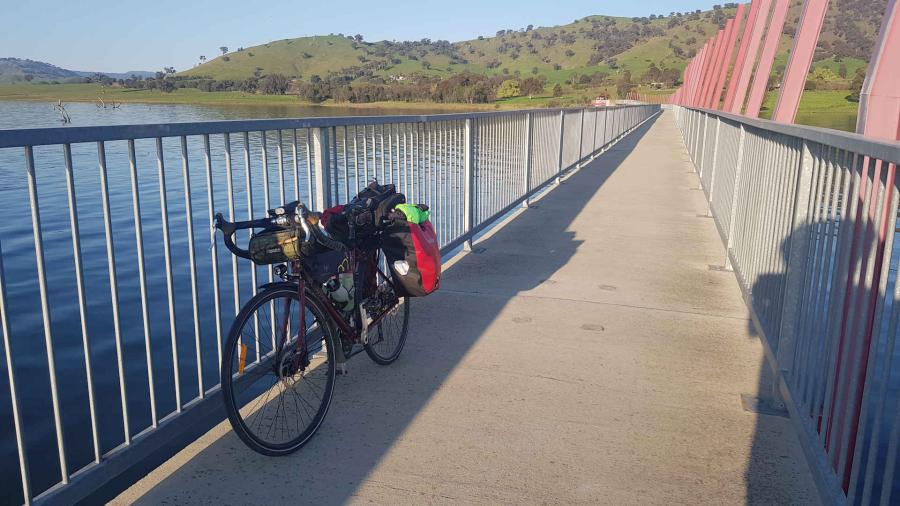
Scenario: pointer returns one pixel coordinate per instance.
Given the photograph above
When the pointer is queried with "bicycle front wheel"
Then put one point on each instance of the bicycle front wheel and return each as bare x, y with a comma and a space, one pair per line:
277, 388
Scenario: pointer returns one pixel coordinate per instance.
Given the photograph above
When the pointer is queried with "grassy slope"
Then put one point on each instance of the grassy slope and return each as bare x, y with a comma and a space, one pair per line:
333, 53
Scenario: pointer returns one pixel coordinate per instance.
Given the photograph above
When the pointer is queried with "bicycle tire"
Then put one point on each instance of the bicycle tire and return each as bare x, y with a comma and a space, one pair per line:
282, 373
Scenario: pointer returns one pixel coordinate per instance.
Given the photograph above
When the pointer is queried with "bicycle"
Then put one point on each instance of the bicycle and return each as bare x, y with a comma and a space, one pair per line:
282, 352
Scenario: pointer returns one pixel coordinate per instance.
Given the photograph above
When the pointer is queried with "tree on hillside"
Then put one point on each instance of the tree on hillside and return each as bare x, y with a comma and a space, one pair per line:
856, 84
224, 49
358, 38
29, 77
557, 90
509, 89
842, 71
274, 84
532, 85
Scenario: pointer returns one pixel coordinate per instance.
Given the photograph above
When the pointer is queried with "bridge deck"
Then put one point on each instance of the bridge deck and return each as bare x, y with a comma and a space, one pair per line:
587, 355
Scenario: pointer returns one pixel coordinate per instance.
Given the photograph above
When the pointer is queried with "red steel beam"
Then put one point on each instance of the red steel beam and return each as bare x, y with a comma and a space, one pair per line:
741, 56
707, 69
879, 101
729, 50
712, 76
767, 59
743, 81
722, 66
698, 75
801, 58
695, 63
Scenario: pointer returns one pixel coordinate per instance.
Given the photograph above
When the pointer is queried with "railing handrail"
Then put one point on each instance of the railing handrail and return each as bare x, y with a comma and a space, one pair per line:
16, 138
876, 148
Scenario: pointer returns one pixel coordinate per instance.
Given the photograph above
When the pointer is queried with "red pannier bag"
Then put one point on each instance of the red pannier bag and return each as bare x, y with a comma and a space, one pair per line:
414, 257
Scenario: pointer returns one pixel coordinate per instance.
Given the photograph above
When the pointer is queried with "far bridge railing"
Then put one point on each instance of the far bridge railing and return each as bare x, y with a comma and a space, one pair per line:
114, 293
808, 217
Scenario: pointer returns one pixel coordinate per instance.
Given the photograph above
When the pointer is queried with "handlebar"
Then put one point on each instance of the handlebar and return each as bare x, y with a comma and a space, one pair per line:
288, 215
228, 229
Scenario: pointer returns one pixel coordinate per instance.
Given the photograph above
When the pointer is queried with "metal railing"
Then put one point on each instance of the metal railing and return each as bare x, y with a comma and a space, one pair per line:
808, 218
132, 312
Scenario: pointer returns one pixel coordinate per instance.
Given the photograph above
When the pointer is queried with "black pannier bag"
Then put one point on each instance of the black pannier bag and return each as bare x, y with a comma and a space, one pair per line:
413, 255
367, 211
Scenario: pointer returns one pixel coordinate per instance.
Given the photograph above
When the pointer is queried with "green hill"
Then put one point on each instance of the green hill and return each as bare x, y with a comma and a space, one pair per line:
588, 45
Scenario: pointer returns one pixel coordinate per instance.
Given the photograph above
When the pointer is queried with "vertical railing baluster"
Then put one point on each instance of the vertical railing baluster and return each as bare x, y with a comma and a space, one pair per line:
113, 288
280, 154
334, 163
192, 262
13, 391
309, 168
170, 289
346, 170
581, 139
559, 165
356, 159
296, 164
213, 250
142, 278
469, 182
248, 180
267, 204
322, 172
381, 138
45, 308
79, 283
526, 183
374, 165
229, 189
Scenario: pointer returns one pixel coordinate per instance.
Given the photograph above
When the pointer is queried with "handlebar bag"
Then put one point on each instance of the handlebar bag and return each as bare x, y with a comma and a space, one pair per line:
275, 246
413, 255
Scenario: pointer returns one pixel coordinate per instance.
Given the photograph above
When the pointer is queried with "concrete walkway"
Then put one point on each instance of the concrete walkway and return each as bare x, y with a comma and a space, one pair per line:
587, 355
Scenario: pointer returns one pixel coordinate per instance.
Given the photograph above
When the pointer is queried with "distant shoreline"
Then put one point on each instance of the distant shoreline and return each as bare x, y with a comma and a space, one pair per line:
92, 93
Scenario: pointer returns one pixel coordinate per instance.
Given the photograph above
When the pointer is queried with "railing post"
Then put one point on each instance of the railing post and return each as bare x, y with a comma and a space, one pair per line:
559, 165
795, 274
702, 152
322, 173
469, 188
605, 120
581, 140
526, 183
715, 161
734, 197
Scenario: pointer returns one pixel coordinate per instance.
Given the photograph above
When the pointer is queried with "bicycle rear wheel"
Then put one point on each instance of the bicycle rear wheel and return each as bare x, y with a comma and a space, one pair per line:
277, 389
386, 340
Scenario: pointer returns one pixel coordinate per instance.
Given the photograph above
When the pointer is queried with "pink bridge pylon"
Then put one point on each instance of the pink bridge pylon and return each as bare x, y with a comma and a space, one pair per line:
713, 81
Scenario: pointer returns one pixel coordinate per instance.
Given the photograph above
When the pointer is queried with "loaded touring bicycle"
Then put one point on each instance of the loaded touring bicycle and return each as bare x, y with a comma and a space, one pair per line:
346, 278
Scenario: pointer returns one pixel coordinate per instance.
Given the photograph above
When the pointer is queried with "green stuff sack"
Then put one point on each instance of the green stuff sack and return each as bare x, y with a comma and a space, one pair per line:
414, 214
275, 246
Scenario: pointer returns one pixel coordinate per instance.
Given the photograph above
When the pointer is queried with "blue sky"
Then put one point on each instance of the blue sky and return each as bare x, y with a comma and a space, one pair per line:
127, 35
